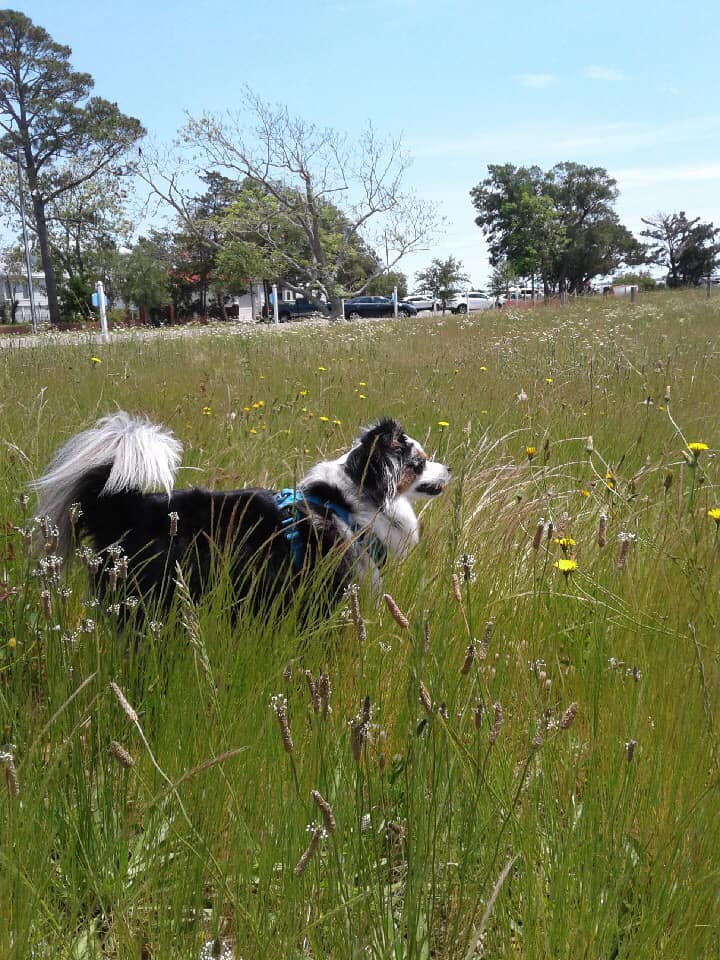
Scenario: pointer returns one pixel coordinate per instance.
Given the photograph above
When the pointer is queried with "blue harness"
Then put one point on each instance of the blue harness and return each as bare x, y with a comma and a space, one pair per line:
286, 500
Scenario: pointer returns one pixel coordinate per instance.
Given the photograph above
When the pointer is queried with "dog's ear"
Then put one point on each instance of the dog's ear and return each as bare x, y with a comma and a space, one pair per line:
384, 436
370, 463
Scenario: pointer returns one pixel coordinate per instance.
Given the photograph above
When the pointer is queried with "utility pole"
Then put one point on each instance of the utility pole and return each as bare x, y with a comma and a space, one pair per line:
28, 265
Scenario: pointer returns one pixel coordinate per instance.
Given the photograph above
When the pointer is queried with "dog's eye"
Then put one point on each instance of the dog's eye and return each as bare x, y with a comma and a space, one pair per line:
417, 464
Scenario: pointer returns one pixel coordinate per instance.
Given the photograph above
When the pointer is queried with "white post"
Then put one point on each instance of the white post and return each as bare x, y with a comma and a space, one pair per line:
276, 312
101, 309
395, 301
342, 308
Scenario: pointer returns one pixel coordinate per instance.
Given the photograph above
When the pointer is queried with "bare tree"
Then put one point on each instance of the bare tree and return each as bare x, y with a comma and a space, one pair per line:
315, 198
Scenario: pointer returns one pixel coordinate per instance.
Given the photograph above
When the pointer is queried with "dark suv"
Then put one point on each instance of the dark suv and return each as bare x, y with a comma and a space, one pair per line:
377, 307
292, 310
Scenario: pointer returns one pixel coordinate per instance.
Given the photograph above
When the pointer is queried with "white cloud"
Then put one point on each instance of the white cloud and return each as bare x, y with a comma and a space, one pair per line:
687, 173
598, 72
595, 140
536, 81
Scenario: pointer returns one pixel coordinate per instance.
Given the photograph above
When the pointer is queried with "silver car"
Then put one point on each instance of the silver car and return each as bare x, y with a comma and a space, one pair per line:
421, 302
471, 300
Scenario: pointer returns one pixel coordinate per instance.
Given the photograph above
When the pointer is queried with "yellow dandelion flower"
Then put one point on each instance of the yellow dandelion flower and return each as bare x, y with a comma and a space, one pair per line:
565, 544
565, 565
584, 493
207, 411
246, 409
95, 360
12, 643
323, 369
548, 379
253, 430
324, 419
610, 480
714, 514
530, 452
362, 383
443, 423
696, 447
361, 396
483, 369
337, 423
303, 393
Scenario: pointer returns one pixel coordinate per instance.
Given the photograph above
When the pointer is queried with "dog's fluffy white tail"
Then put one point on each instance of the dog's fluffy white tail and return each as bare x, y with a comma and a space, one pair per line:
140, 455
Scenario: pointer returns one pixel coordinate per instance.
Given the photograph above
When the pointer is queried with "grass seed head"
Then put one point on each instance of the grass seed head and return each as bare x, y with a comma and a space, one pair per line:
324, 692
313, 690
498, 720
478, 714
11, 777
455, 582
122, 700
485, 642
354, 601
301, 865
358, 736
279, 705
469, 658
395, 612
325, 809
602, 530
425, 698
539, 529
119, 752
45, 604
568, 717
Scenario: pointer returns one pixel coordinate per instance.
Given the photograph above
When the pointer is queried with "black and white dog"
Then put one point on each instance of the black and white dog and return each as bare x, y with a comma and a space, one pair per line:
345, 516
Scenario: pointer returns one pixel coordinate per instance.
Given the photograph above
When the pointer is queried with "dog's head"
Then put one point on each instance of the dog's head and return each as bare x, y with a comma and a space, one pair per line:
386, 463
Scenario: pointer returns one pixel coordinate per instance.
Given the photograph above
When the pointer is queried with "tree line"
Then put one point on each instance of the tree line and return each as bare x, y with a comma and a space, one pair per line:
263, 195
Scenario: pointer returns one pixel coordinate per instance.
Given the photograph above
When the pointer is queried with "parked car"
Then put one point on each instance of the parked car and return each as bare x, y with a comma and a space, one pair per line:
471, 300
292, 310
377, 307
421, 302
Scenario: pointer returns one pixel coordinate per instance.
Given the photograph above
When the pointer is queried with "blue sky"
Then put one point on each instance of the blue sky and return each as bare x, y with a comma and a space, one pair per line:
630, 86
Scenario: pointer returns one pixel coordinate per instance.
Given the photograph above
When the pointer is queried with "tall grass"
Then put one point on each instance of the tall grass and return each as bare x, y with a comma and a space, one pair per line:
514, 760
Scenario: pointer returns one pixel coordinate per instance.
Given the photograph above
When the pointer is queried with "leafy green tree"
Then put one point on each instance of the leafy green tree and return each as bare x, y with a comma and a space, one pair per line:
688, 249
442, 279
282, 251
74, 295
384, 285
641, 279
62, 136
145, 279
596, 243
503, 277
560, 224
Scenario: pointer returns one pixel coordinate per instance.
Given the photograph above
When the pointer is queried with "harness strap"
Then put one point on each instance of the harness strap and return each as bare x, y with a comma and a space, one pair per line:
286, 500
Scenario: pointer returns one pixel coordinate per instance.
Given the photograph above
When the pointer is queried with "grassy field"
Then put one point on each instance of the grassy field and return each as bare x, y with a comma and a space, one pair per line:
528, 769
